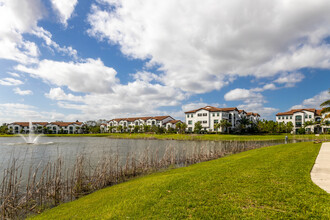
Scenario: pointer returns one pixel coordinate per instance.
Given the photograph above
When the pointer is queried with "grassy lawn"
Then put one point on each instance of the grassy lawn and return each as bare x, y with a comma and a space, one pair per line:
267, 183
204, 137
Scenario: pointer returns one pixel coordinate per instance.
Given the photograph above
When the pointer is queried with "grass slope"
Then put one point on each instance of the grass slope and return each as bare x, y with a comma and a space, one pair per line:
270, 182
203, 137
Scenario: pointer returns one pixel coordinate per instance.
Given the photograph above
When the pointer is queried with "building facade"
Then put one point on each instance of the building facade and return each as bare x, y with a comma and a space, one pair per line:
209, 116
299, 117
45, 127
128, 124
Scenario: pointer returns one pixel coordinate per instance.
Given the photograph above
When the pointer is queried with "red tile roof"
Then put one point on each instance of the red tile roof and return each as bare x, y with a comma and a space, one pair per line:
160, 117
174, 121
65, 124
213, 109
26, 124
292, 111
141, 118
241, 111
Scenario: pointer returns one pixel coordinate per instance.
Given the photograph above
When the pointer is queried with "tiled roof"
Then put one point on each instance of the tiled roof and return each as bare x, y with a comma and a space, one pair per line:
241, 111
160, 117
292, 111
61, 124
318, 112
213, 109
174, 121
140, 118
26, 124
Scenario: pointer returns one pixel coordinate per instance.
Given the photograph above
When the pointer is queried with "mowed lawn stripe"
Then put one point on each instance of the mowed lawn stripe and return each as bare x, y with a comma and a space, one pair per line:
270, 182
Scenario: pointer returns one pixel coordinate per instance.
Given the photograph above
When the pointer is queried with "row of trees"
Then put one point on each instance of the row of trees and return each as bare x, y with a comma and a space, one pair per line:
179, 128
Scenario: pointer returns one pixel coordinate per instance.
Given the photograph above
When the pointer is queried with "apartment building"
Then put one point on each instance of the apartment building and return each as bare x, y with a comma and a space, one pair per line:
172, 124
45, 127
299, 117
130, 123
208, 116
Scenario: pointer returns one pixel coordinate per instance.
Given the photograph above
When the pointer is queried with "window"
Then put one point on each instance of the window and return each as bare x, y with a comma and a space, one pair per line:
298, 118
204, 114
218, 114
192, 115
306, 116
287, 117
199, 114
190, 122
187, 116
153, 122
204, 122
310, 116
213, 114
136, 123
216, 121
290, 117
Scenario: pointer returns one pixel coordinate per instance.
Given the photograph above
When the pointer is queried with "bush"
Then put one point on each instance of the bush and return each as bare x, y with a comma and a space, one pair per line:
301, 131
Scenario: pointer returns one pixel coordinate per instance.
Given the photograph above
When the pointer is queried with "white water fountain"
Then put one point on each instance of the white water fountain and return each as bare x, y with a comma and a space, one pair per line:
32, 138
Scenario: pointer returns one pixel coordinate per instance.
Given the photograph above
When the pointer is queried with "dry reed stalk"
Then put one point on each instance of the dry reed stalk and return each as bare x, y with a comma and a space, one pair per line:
53, 184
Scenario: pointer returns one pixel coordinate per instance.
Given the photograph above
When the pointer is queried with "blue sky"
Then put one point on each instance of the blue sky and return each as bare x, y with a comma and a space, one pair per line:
87, 60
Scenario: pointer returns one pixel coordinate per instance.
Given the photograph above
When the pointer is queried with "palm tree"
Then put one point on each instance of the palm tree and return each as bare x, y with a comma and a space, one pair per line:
216, 126
243, 123
198, 127
120, 128
326, 108
308, 123
225, 124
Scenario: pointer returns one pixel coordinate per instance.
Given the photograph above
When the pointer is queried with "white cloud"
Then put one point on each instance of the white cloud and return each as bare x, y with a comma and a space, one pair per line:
252, 101
59, 94
22, 92
134, 99
146, 76
11, 112
14, 74
89, 76
10, 82
18, 17
264, 112
200, 46
64, 8
47, 37
290, 79
242, 95
193, 105
314, 102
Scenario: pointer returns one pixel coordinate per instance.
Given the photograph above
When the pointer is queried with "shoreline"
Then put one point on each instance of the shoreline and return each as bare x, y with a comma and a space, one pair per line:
194, 137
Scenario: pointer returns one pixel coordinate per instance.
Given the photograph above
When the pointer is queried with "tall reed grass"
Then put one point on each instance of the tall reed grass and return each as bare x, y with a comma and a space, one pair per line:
49, 184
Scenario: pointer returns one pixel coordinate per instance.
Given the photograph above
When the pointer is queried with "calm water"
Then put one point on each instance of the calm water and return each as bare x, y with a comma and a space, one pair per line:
50, 148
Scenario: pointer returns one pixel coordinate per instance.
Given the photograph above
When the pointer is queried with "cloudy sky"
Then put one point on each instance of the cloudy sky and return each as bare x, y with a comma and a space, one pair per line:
100, 59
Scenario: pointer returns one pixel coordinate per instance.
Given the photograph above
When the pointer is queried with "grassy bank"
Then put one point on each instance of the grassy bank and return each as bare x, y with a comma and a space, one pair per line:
198, 137
270, 182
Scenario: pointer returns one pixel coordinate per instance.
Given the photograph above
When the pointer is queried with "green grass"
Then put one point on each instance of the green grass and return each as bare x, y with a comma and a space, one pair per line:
267, 183
202, 137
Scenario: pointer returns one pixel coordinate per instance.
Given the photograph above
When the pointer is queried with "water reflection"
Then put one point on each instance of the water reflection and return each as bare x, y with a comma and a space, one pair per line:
94, 148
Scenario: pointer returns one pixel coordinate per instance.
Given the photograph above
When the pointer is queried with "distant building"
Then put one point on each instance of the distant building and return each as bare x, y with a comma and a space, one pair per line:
172, 124
129, 123
299, 117
45, 127
208, 116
